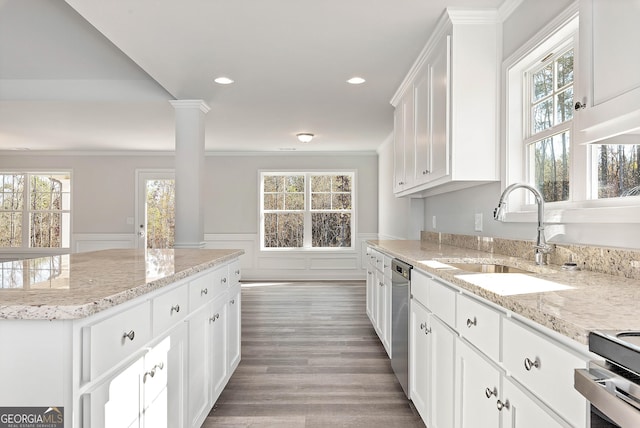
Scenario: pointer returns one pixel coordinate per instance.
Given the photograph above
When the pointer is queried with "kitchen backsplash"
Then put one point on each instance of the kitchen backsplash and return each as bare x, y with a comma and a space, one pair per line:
612, 261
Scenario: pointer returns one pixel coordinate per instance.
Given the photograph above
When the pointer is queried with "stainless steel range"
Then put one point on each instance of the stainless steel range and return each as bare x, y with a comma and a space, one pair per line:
612, 386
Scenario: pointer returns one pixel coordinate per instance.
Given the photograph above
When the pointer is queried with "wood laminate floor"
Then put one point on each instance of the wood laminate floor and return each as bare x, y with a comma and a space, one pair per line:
310, 358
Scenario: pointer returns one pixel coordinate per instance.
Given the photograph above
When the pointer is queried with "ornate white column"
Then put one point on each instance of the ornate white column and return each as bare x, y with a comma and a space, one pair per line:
189, 166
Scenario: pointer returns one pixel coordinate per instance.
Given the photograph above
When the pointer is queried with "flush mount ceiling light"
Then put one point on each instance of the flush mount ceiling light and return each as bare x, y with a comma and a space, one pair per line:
223, 80
304, 137
356, 80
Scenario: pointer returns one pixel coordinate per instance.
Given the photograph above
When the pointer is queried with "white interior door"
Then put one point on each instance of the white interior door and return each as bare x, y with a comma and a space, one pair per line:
155, 208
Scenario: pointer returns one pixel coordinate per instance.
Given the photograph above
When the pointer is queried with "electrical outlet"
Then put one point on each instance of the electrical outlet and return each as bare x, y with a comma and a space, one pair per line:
433, 222
478, 222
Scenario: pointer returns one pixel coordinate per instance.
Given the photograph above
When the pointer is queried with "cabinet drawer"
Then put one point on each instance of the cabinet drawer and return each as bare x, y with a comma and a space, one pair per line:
235, 272
545, 368
386, 266
442, 302
480, 325
169, 308
221, 279
110, 341
201, 290
420, 287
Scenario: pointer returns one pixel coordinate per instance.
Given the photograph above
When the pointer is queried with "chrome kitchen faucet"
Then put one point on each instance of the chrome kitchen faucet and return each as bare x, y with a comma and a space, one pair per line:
541, 247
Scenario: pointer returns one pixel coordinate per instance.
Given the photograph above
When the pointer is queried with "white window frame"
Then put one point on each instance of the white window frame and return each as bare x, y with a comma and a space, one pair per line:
307, 210
580, 208
25, 249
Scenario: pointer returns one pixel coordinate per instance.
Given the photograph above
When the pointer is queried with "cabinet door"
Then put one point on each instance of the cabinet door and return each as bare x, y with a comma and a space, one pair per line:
523, 412
371, 292
122, 407
440, 108
419, 362
381, 313
609, 77
218, 344
234, 328
442, 376
422, 114
404, 143
199, 362
478, 389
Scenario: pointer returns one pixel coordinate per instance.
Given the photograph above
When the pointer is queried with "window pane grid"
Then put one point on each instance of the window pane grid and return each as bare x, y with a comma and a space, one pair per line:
324, 222
35, 210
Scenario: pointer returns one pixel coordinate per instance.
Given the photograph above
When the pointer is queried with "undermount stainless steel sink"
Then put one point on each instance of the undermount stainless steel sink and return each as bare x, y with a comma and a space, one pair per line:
488, 268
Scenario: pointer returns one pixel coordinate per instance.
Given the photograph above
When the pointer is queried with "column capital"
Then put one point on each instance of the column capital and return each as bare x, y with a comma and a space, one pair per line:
190, 104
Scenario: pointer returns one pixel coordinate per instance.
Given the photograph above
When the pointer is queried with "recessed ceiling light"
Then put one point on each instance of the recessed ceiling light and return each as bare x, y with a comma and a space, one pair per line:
356, 80
223, 80
305, 137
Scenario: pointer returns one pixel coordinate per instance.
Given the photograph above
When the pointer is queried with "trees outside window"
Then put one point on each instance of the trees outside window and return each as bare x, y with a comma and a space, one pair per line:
35, 210
550, 107
307, 209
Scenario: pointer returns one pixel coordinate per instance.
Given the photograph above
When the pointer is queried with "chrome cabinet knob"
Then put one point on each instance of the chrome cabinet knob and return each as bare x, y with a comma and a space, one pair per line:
528, 364
130, 335
214, 318
204, 291
502, 405
175, 308
491, 392
471, 323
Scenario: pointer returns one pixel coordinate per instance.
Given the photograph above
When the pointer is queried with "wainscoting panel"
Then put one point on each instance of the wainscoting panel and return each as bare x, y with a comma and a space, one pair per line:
83, 242
257, 265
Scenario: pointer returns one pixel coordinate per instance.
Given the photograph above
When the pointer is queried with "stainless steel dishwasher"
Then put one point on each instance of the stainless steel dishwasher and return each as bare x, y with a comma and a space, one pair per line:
400, 292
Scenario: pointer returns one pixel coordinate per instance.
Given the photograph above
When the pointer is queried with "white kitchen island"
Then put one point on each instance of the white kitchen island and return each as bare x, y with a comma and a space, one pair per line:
119, 337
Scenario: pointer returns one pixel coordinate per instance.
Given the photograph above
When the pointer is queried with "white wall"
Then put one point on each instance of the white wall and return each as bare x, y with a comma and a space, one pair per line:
104, 197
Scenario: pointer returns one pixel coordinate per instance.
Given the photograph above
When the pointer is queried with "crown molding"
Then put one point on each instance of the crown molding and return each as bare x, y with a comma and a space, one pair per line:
190, 104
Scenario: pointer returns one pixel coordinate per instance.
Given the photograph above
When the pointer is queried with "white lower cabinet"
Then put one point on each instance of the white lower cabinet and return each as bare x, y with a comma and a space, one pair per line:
234, 328
145, 393
521, 410
474, 364
419, 364
478, 388
378, 295
169, 380
207, 359
431, 360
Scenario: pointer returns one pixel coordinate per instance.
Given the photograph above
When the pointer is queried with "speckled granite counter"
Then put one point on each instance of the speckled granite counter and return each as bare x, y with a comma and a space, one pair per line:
79, 285
597, 301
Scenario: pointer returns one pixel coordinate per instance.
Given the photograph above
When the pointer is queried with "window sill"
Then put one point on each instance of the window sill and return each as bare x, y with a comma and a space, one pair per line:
587, 212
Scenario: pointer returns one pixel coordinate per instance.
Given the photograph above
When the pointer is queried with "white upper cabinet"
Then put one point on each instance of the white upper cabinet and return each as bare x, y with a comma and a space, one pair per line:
609, 79
447, 108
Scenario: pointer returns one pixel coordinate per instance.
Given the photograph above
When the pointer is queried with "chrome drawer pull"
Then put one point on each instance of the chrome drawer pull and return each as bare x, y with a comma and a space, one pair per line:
238, 272
152, 372
502, 405
223, 280
129, 335
204, 291
175, 308
214, 318
528, 364
423, 326
489, 392
472, 323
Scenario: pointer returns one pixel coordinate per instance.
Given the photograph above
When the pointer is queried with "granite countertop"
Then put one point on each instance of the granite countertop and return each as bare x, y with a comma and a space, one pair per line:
595, 301
79, 285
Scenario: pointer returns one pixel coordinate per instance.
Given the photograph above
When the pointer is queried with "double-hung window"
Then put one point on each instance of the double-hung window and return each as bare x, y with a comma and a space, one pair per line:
35, 210
549, 113
307, 210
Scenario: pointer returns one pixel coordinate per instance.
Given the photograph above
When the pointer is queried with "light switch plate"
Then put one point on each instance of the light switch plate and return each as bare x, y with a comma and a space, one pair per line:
478, 222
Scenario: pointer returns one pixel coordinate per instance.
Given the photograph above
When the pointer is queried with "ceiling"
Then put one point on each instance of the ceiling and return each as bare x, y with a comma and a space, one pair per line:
95, 75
